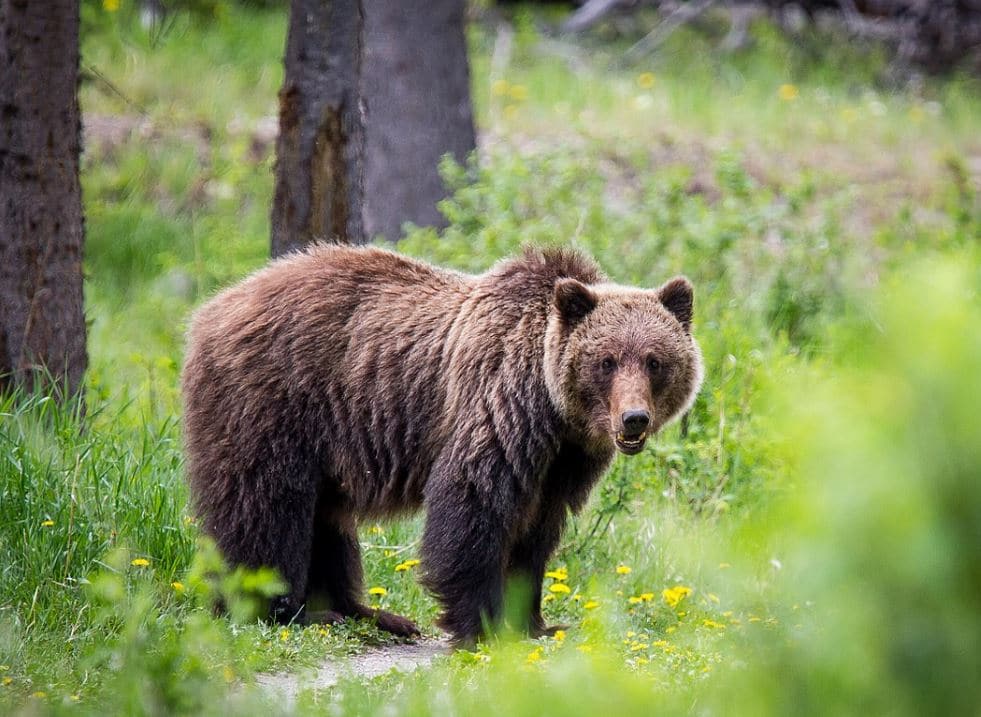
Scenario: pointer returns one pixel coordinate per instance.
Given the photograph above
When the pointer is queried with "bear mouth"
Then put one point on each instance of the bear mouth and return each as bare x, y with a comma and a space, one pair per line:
631, 445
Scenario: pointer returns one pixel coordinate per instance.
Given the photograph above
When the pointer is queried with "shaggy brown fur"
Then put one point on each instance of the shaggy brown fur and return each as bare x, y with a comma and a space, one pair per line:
344, 384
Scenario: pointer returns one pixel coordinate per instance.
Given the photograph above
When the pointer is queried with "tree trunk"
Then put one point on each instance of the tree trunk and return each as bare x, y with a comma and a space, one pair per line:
319, 152
416, 84
42, 324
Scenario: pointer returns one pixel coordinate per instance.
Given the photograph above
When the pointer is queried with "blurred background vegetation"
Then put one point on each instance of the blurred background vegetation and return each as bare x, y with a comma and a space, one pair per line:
812, 544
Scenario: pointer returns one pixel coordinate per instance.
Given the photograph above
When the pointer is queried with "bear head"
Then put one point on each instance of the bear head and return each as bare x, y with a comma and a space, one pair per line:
621, 362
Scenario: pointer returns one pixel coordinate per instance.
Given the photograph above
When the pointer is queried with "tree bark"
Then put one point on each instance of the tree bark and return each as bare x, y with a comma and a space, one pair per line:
320, 148
416, 84
42, 324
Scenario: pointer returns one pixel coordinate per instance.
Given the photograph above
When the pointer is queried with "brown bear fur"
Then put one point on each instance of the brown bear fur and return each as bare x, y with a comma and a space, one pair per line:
346, 384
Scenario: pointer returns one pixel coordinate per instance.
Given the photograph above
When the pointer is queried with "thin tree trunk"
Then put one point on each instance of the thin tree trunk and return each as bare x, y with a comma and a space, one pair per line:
416, 83
319, 165
42, 324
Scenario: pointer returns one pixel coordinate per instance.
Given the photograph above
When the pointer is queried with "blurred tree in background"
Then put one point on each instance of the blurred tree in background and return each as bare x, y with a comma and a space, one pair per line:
320, 149
42, 325
416, 86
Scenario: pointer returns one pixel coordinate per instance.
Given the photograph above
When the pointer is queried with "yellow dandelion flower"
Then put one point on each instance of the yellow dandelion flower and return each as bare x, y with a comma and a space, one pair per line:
47, 523
788, 92
647, 597
559, 588
75, 697
673, 596
377, 591
110, 5
584, 648
548, 598
376, 529
712, 624
388, 553
634, 599
638, 646
139, 562
284, 635
713, 597
682, 613
7, 681
753, 618
631, 633
510, 111
228, 673
624, 569
401, 568
560, 574
662, 643
670, 629
412, 562
641, 660
645, 80
534, 656
323, 631
590, 605
178, 586
559, 635
499, 88
518, 93
39, 694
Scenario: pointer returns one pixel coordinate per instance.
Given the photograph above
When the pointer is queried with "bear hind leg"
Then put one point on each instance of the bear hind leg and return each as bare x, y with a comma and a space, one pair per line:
335, 571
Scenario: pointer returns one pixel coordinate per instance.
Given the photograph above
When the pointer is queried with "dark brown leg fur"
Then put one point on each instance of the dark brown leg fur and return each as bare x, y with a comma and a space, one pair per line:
529, 557
335, 570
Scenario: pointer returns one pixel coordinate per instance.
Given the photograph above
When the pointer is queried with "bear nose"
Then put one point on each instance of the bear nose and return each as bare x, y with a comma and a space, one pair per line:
635, 421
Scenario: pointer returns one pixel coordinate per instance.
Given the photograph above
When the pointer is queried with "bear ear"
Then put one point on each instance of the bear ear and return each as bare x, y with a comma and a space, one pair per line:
678, 298
574, 300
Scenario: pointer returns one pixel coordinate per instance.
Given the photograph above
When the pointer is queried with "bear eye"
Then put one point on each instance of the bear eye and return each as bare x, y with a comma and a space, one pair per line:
653, 365
608, 364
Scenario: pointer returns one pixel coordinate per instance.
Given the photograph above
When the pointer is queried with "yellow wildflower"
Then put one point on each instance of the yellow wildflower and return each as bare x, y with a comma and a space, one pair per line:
712, 624
7, 680
559, 635
518, 93
584, 648
412, 562
388, 553
376, 529
39, 694
47, 523
510, 111
228, 673
499, 88
548, 598
559, 588
377, 591
631, 633
623, 569
139, 562
673, 596
178, 586
560, 574
110, 5
534, 656
590, 605
284, 635
647, 597
713, 597
645, 80
788, 93
634, 599
638, 646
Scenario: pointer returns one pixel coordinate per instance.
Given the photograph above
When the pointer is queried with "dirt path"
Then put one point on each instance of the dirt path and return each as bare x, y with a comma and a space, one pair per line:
370, 664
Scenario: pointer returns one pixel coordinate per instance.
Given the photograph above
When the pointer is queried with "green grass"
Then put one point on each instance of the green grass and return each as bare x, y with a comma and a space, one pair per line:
821, 509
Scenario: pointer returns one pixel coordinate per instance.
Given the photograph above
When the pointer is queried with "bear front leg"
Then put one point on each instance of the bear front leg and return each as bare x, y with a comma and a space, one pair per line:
463, 552
530, 556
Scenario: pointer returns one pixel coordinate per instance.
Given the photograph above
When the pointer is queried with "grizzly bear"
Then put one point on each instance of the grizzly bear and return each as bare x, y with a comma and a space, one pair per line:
345, 384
